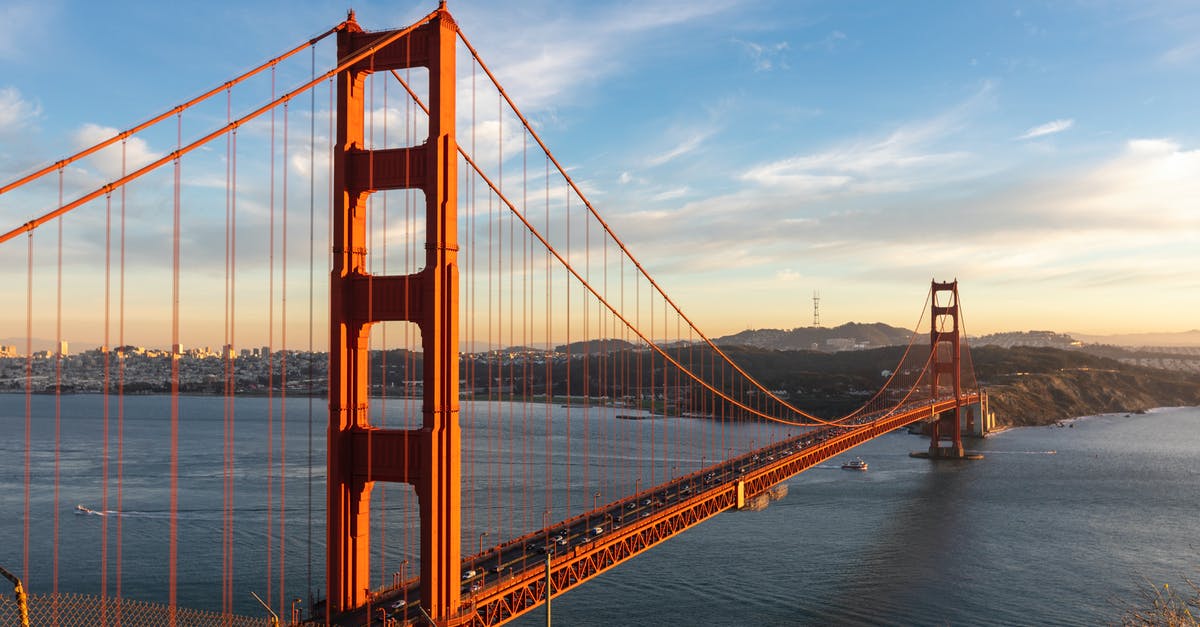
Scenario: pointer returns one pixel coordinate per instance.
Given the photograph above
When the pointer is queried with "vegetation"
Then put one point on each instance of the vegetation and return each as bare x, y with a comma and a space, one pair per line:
1037, 385
1165, 607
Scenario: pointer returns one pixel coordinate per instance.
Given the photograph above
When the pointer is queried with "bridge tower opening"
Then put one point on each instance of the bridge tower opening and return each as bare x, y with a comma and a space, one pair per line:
359, 454
945, 359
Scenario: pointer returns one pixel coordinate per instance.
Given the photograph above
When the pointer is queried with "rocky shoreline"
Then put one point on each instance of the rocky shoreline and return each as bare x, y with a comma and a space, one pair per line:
1048, 398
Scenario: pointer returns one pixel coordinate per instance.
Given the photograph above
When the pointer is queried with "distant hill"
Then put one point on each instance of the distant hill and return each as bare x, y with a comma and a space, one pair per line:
1032, 385
1182, 338
594, 347
1009, 339
873, 335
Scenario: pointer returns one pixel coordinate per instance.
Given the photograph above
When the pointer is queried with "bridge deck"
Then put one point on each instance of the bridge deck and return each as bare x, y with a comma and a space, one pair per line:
510, 579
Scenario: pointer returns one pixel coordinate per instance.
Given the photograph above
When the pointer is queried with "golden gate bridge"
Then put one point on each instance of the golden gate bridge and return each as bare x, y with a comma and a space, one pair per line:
460, 249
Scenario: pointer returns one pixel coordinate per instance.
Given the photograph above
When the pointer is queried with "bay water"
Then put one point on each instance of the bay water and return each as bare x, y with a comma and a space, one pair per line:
1057, 525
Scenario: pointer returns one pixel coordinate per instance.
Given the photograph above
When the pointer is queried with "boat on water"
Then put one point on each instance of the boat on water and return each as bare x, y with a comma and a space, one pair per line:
79, 509
855, 464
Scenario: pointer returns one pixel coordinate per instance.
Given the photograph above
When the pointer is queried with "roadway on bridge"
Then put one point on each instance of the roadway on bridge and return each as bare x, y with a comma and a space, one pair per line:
511, 560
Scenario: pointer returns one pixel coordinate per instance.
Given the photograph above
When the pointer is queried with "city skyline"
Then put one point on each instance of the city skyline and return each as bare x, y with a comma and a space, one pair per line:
1041, 155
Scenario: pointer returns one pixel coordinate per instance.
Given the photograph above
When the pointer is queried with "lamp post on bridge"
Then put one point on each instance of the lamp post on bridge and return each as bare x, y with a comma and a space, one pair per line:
403, 566
295, 612
481, 537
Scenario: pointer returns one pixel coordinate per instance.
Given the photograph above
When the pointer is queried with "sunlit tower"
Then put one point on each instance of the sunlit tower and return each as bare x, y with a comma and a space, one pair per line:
816, 308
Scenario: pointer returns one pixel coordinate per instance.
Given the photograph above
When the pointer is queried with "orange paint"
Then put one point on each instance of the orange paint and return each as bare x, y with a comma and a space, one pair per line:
360, 454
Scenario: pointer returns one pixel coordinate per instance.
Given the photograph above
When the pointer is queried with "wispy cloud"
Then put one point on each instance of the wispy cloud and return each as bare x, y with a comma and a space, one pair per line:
15, 110
671, 194
562, 48
765, 57
688, 144
787, 274
873, 164
1182, 53
829, 43
1049, 128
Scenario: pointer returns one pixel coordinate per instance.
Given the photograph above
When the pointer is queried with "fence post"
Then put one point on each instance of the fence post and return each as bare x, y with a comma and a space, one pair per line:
19, 592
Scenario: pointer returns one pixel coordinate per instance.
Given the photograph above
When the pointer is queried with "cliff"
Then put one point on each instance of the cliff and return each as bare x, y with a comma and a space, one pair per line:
1038, 386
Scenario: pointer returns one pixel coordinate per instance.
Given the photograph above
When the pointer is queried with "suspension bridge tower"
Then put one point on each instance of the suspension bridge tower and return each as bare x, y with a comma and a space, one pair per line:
945, 360
359, 453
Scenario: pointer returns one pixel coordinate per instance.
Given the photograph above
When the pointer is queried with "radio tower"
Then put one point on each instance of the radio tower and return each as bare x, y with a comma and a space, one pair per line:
816, 308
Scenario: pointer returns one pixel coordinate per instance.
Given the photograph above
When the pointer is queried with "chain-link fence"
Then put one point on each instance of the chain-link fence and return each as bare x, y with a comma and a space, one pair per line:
81, 609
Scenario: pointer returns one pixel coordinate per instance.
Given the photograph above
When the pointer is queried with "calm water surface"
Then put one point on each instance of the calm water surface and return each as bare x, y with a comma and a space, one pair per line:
1056, 525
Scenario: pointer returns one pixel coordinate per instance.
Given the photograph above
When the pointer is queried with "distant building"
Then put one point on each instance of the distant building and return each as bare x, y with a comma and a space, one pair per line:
63, 351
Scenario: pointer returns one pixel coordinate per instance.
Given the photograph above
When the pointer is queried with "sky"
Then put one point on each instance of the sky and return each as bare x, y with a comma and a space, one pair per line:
1046, 155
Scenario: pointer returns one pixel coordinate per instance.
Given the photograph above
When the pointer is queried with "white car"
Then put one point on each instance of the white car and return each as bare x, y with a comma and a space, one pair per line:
468, 574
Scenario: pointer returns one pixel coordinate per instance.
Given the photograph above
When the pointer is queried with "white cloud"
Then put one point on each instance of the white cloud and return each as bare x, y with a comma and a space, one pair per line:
873, 165
765, 57
134, 152
689, 144
15, 111
788, 274
1049, 128
562, 49
671, 194
1182, 53
1154, 184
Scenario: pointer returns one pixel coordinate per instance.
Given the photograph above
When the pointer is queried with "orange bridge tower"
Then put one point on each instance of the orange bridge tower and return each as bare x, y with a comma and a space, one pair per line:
359, 453
945, 359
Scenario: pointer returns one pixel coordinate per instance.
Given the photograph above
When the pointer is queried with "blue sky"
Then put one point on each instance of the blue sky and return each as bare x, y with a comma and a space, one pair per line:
1045, 154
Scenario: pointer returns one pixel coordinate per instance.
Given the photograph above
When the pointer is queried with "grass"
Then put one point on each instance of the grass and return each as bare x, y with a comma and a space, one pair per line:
1166, 606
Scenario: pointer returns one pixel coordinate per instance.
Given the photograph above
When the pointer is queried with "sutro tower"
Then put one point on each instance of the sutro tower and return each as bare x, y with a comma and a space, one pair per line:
816, 308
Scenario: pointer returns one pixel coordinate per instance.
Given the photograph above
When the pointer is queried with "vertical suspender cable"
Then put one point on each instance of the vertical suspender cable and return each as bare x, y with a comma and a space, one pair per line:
383, 364
328, 245
525, 313
232, 357
312, 256
226, 358
283, 355
268, 357
176, 355
106, 354
567, 350
57, 400
549, 386
496, 269
121, 357
28, 403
